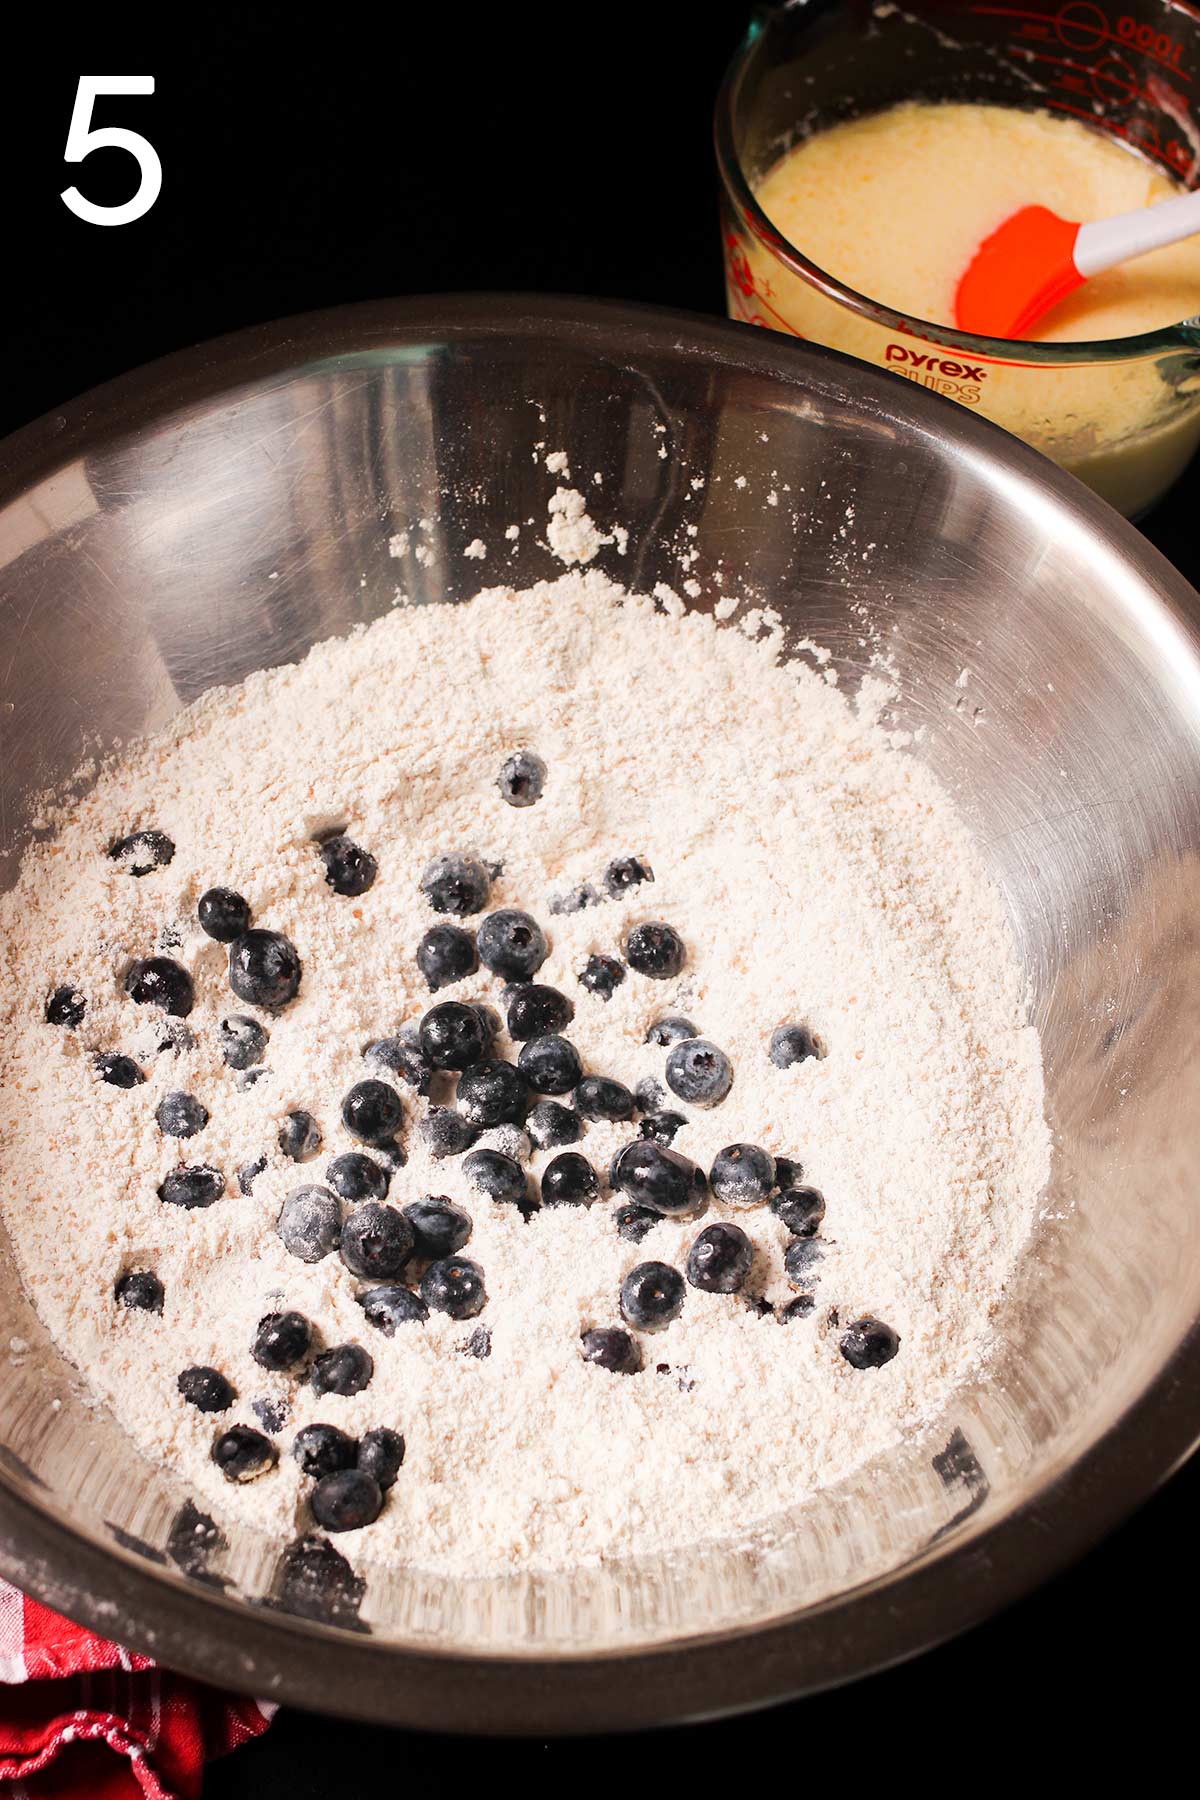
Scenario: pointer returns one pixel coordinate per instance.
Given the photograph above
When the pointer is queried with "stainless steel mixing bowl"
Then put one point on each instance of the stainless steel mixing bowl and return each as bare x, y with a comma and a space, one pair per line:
226, 509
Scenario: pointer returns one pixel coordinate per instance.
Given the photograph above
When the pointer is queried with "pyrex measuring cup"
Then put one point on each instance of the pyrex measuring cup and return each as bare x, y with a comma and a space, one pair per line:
1124, 414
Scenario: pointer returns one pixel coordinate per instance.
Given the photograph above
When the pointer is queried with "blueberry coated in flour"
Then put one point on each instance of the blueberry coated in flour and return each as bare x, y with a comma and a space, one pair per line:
454, 1286
357, 1177
512, 944
800, 1259
249, 1173
206, 1389
551, 1065
243, 1454
347, 1501
868, 1343
281, 1340
602, 976
299, 1136
698, 1072
599, 1097
349, 869
446, 1133
788, 1172
139, 1290
453, 1036
536, 1011
671, 1028
569, 1180
243, 1041
381, 1454
157, 981
66, 1006
377, 1242
662, 1127
634, 1221
310, 1223
657, 1178
799, 1308
498, 1176
478, 1344
323, 1450
456, 884
223, 914
649, 1095
493, 1093
626, 872
652, 1295
742, 1175
194, 1187
655, 949
792, 1044
142, 851
372, 1111
343, 1369
180, 1115
117, 1070
551, 1125
522, 778
264, 969
719, 1259
439, 1227
173, 1035
401, 1056
576, 900
445, 954
271, 1414
391, 1305
610, 1348
801, 1209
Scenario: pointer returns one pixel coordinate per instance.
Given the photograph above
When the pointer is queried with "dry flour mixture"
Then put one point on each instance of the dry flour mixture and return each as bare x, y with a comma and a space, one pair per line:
327, 1277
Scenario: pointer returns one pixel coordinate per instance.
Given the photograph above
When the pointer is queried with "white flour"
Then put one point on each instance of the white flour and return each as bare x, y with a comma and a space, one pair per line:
815, 872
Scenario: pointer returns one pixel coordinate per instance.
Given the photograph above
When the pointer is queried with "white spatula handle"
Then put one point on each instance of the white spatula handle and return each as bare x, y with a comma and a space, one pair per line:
1108, 241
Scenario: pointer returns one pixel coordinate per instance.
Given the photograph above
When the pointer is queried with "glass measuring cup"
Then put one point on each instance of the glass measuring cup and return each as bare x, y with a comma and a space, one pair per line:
1124, 413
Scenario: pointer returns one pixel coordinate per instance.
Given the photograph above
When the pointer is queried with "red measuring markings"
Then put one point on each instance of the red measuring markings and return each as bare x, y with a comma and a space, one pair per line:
1080, 25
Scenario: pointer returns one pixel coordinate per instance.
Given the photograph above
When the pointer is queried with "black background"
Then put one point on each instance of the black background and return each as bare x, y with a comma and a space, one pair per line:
311, 159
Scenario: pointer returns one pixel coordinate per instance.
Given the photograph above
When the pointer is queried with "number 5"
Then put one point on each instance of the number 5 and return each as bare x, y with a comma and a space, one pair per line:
81, 141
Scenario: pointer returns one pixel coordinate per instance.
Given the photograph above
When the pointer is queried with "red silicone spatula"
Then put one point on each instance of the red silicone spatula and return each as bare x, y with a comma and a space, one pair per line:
1035, 259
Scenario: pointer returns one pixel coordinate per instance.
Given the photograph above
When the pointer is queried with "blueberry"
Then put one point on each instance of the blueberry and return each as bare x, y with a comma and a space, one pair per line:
143, 851
248, 1174
345, 1369
140, 1291
652, 1294
719, 1259
670, 1028
602, 975
522, 778
569, 1180
799, 1308
66, 1006
575, 901
550, 1064
310, 1223
157, 981
391, 1305
649, 1095
868, 1343
264, 969
550, 1125
173, 1035
206, 1389
323, 1450
662, 1127
380, 1454
698, 1072
446, 954
490, 1020
444, 1133
377, 1242
633, 1221
500, 1177
624, 873
597, 1097
792, 1044
801, 1209
454, 1285
243, 1041
655, 949
453, 1036
439, 1227
281, 1340
118, 1071
347, 1501
536, 1011
192, 1187
658, 1178
800, 1259
271, 1414
610, 1348
356, 1177
478, 1344
242, 1454
180, 1115
299, 1136
372, 1111
493, 1093
349, 869
512, 944
788, 1174
223, 914
742, 1175
456, 884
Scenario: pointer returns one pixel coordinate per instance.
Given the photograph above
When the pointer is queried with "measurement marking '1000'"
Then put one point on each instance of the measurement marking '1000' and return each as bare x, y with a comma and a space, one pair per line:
1156, 43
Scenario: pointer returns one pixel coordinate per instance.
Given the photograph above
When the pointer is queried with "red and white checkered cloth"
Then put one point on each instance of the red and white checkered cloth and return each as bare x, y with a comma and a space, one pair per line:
82, 1719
